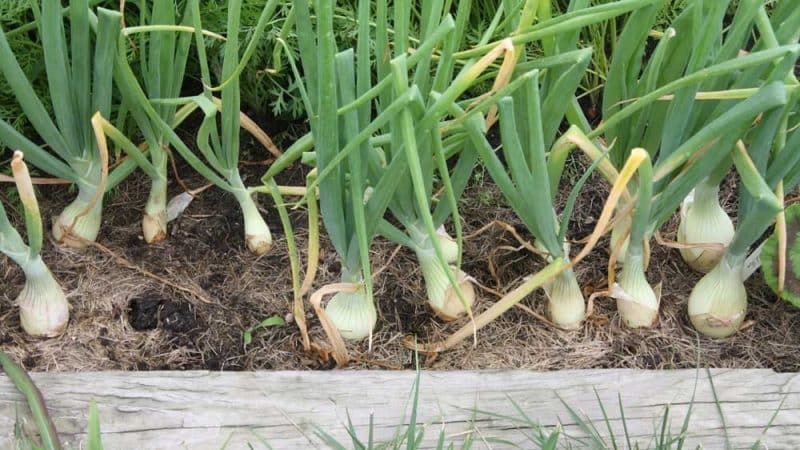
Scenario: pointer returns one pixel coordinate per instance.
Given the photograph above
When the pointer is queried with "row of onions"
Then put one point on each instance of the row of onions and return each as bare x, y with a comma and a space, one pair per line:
397, 132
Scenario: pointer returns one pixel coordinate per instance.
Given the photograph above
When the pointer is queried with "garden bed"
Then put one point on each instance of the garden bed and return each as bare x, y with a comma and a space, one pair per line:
185, 302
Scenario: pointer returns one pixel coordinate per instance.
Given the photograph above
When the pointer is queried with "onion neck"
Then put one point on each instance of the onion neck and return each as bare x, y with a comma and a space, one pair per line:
423, 243
44, 310
617, 230
442, 297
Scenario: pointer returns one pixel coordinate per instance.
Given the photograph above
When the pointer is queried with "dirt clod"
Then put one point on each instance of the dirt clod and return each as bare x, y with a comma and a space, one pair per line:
143, 313
177, 317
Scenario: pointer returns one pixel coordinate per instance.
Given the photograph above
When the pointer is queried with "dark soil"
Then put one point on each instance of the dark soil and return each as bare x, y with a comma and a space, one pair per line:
184, 303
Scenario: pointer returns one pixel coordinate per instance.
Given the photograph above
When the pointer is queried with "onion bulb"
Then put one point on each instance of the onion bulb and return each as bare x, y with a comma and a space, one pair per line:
566, 306
442, 298
84, 228
637, 302
43, 307
353, 313
703, 221
718, 302
256, 232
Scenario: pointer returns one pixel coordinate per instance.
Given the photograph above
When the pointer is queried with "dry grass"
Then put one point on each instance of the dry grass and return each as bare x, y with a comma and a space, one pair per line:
223, 290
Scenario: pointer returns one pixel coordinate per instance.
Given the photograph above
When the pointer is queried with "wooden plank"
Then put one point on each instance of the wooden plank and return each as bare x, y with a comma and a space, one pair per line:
203, 410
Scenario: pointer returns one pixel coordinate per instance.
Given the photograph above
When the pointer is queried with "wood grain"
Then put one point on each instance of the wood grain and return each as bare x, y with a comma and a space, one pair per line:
205, 410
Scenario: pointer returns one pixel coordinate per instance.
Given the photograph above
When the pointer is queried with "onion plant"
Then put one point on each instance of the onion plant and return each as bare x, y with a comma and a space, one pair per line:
218, 136
43, 307
416, 205
694, 99
162, 65
412, 141
413, 199
563, 68
767, 163
703, 220
356, 181
529, 121
526, 185
79, 75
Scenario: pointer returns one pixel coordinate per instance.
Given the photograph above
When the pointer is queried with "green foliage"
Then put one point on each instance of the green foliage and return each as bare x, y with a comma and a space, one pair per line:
602, 37
28, 48
262, 88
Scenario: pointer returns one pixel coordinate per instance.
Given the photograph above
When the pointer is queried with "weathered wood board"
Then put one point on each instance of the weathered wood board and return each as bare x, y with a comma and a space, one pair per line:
205, 410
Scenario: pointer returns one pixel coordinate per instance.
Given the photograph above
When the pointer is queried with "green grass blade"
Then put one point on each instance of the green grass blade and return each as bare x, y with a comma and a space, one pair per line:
718, 405
606, 420
30, 103
585, 424
412, 421
93, 439
624, 421
757, 444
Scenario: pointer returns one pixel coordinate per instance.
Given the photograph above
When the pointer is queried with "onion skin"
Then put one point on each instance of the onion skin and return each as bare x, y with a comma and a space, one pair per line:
154, 222
353, 314
451, 308
86, 227
718, 302
154, 227
704, 222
